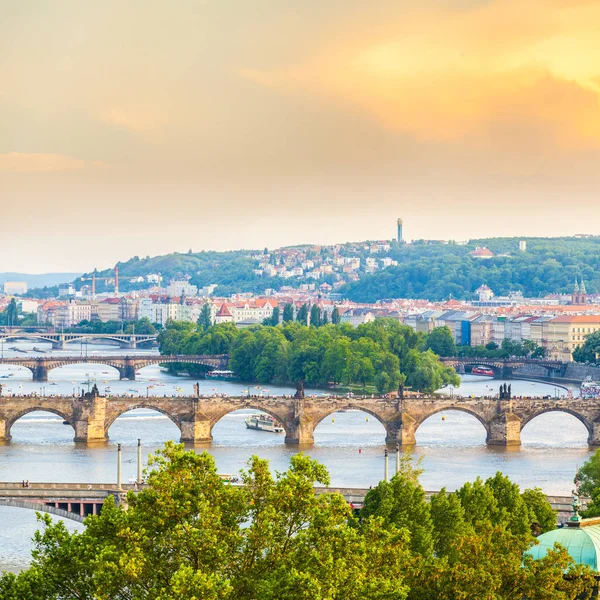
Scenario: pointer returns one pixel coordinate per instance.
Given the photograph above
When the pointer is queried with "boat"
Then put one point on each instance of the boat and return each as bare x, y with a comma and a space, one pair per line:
221, 375
482, 371
263, 423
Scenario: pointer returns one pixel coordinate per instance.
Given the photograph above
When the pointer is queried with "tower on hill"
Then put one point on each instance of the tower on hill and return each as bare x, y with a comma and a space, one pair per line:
400, 238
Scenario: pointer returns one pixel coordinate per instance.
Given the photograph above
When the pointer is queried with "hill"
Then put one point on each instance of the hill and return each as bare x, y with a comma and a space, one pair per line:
437, 271
427, 269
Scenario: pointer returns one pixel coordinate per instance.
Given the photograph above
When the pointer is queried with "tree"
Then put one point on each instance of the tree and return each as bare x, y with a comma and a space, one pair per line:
315, 315
441, 342
302, 315
205, 319
288, 313
449, 523
588, 475
12, 313
401, 503
590, 350
544, 516
188, 534
335, 316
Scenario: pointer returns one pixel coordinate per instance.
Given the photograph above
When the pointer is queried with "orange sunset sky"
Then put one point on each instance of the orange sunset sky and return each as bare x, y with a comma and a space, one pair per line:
146, 126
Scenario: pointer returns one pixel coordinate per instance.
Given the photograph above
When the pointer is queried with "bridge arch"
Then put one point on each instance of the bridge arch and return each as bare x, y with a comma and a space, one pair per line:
386, 426
551, 409
60, 364
251, 406
148, 406
13, 418
41, 507
457, 408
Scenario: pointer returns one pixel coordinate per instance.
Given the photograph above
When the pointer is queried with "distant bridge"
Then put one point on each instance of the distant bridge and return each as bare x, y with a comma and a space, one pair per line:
91, 415
76, 501
125, 365
503, 367
59, 341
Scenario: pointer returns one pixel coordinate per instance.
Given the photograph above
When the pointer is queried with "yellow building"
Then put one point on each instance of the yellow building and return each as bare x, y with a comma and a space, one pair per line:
563, 334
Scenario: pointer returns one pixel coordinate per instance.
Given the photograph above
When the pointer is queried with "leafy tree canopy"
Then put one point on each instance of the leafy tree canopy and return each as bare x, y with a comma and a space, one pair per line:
383, 353
189, 535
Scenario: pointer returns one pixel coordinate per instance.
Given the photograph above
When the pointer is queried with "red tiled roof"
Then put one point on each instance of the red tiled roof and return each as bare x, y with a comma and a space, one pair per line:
224, 311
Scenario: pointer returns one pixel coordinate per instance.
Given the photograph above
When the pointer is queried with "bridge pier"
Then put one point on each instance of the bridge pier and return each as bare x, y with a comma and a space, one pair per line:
402, 431
59, 345
89, 418
4, 432
300, 431
128, 371
504, 430
197, 431
40, 373
594, 435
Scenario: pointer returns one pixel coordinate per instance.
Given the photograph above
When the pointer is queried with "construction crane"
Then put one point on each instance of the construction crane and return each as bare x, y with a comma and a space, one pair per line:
94, 278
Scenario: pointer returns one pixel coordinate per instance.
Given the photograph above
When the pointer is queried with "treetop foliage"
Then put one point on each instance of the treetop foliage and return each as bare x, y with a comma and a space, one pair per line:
190, 535
438, 271
383, 353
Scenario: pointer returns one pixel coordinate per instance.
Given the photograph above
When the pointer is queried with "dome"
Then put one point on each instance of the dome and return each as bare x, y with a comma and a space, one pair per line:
582, 543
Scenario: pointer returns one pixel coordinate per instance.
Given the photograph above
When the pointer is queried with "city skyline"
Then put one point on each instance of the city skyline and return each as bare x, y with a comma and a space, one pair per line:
142, 130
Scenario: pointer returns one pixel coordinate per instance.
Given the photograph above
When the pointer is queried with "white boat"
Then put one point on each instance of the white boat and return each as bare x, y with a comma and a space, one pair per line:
263, 423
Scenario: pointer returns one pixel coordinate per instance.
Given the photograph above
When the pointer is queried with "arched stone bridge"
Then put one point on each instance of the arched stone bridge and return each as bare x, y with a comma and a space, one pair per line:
503, 367
59, 341
126, 365
91, 416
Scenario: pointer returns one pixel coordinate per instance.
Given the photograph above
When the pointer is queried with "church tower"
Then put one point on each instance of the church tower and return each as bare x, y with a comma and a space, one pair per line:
579, 294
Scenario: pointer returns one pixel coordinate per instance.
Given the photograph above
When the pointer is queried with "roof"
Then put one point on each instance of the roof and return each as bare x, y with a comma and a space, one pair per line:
481, 252
582, 544
576, 319
224, 311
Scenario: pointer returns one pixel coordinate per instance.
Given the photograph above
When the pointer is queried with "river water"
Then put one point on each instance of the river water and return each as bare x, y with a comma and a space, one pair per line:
351, 444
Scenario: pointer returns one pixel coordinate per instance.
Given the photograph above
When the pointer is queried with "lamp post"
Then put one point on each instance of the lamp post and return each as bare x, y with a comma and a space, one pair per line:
118, 466
139, 462
385, 469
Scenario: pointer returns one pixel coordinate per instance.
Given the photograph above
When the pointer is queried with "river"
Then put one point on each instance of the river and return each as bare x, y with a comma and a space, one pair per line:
350, 444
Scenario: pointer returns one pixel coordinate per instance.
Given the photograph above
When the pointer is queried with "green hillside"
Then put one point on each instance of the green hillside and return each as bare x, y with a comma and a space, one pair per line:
437, 271
427, 269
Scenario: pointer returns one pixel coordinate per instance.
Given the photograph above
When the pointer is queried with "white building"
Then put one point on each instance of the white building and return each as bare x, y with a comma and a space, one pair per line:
178, 288
15, 288
484, 293
70, 314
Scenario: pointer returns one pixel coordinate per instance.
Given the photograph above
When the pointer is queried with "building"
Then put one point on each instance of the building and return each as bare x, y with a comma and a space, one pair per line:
400, 236
71, 313
15, 288
176, 289
579, 294
66, 289
481, 252
565, 333
523, 246
484, 293
224, 315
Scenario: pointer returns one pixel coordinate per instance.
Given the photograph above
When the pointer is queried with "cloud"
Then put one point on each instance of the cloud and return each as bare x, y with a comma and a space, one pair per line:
17, 162
144, 120
442, 74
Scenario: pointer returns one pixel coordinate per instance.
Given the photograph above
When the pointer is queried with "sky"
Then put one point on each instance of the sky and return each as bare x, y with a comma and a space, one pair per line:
146, 127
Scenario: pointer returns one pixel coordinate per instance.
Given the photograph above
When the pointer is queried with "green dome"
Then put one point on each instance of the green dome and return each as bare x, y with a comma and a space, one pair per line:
582, 543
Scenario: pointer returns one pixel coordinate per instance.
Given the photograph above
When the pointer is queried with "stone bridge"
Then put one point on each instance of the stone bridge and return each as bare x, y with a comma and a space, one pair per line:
125, 365
59, 341
503, 367
91, 415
